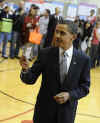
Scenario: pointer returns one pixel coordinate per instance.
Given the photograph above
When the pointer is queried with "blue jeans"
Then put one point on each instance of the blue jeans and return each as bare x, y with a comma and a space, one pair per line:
4, 36
14, 50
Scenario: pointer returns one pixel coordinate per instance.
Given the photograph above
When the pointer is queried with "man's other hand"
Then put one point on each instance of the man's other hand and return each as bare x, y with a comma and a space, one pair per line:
62, 97
24, 63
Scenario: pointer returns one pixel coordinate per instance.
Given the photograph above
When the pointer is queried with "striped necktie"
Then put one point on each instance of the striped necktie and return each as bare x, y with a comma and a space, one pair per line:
63, 67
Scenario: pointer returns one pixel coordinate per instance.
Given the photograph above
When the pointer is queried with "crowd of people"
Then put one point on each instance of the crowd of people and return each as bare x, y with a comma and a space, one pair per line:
88, 35
23, 23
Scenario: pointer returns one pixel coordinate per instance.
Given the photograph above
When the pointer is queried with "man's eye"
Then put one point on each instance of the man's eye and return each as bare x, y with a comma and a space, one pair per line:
60, 32
63, 33
57, 31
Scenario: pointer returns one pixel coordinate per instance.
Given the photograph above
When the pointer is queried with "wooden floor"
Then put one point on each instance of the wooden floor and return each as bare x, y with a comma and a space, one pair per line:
17, 99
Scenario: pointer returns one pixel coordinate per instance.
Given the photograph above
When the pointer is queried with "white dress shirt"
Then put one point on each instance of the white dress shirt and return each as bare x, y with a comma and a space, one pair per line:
69, 52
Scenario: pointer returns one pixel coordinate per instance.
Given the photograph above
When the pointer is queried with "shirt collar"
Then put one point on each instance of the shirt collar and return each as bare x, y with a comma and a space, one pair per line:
69, 51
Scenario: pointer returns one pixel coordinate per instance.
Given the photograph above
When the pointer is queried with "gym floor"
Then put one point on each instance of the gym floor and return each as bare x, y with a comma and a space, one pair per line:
17, 99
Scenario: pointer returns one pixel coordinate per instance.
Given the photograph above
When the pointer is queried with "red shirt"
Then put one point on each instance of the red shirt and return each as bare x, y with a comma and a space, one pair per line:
92, 19
26, 30
95, 40
28, 19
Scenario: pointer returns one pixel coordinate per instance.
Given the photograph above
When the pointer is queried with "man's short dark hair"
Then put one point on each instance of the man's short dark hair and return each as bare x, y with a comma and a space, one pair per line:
72, 27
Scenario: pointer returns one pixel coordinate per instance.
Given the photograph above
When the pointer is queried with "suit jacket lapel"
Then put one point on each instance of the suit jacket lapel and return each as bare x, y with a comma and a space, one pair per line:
72, 66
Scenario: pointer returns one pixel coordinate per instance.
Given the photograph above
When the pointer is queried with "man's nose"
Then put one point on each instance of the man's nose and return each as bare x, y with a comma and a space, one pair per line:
58, 35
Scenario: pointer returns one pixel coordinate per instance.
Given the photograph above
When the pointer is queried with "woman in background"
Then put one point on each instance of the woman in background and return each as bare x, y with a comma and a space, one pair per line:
95, 44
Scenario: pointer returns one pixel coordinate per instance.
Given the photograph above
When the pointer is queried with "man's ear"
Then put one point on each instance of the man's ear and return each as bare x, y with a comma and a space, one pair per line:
54, 42
74, 36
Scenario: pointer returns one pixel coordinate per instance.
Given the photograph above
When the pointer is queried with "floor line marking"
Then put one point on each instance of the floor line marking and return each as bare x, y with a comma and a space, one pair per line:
88, 115
17, 115
16, 98
30, 110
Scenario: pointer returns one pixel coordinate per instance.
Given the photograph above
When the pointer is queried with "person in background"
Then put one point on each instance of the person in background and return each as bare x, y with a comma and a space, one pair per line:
92, 20
77, 19
98, 15
5, 36
65, 77
35, 47
20, 7
98, 52
32, 6
30, 23
92, 17
98, 57
18, 18
15, 42
43, 25
80, 32
94, 45
87, 31
1, 8
87, 35
54, 19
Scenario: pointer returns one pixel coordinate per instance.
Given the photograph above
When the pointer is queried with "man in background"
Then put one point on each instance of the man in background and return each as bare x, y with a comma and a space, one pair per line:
54, 19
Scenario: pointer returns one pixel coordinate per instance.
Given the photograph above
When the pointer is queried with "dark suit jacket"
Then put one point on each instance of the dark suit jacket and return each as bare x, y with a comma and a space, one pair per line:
77, 83
51, 29
3, 14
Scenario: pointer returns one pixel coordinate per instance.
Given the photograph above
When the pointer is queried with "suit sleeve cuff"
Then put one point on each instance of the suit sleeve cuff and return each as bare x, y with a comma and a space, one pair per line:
24, 71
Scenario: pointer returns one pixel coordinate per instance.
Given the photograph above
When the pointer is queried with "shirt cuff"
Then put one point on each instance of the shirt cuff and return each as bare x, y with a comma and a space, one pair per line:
24, 71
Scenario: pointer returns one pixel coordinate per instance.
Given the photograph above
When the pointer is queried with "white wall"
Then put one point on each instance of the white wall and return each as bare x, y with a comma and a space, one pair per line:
96, 2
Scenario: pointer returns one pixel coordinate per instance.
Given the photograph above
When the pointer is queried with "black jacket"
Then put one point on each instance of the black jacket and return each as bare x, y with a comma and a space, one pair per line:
3, 14
77, 83
18, 21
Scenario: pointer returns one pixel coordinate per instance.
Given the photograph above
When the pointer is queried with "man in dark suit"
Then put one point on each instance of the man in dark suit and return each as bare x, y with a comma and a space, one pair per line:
54, 19
60, 88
